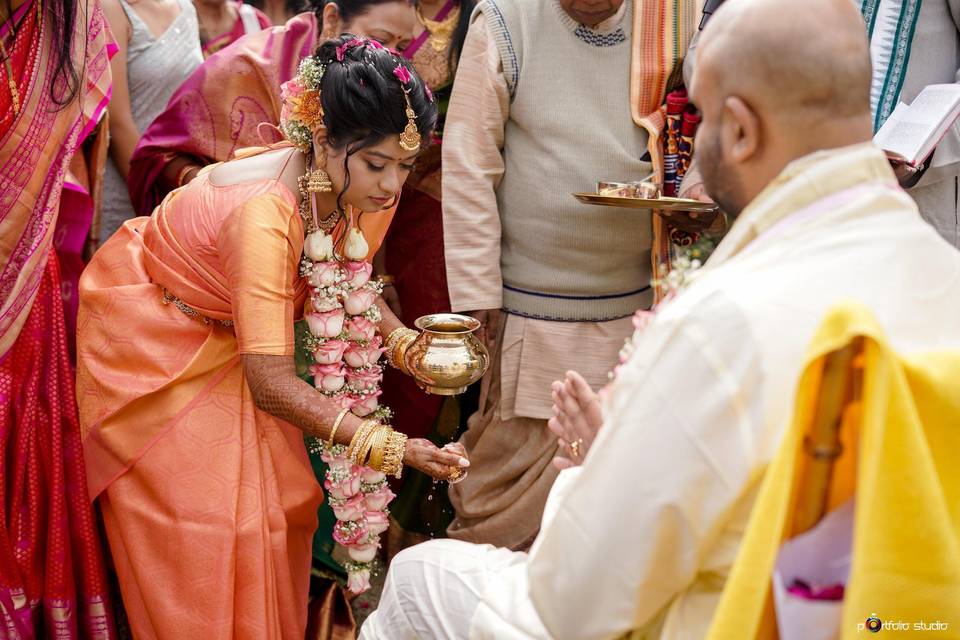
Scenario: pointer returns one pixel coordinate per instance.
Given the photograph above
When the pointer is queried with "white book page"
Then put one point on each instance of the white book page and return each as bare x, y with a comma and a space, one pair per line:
936, 100
913, 131
901, 136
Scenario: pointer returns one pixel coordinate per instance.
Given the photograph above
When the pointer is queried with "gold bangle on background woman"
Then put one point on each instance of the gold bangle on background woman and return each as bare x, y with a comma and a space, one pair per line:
184, 171
397, 344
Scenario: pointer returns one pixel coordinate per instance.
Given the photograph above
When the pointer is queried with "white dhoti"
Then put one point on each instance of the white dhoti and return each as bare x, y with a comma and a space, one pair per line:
433, 590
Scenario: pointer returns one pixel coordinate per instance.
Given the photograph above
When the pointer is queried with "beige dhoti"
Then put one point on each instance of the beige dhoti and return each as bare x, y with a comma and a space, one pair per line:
501, 500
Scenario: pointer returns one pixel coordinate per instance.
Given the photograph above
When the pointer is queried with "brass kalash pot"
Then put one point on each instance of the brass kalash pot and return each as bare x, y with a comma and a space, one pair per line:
446, 357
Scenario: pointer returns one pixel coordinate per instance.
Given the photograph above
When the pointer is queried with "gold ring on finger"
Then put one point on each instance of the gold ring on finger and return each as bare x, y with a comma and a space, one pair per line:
575, 447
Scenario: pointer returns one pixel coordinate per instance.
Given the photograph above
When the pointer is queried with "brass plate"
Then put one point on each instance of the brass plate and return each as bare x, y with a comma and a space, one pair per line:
664, 203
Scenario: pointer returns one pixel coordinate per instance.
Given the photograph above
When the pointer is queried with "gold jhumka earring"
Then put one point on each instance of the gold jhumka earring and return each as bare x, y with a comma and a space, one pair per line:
313, 182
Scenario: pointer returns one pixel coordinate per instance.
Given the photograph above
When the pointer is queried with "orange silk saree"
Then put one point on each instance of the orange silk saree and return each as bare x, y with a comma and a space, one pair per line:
209, 503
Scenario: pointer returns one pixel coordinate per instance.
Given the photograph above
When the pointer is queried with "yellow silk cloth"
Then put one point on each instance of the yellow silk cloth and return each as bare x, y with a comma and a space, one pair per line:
209, 504
900, 458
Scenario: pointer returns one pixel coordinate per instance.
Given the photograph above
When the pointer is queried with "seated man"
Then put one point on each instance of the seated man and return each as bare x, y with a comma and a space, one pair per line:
644, 533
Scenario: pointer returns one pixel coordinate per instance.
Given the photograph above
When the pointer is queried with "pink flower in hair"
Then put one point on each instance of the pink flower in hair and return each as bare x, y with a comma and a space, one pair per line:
355, 42
428, 92
403, 74
289, 91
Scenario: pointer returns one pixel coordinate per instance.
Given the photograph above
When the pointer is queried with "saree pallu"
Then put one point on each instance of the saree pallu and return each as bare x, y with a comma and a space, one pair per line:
52, 578
220, 107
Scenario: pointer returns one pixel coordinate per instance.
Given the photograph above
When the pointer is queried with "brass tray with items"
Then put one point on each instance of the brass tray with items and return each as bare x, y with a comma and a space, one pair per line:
663, 203
689, 215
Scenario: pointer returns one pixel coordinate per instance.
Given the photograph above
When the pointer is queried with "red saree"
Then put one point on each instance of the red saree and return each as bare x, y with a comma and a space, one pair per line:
52, 580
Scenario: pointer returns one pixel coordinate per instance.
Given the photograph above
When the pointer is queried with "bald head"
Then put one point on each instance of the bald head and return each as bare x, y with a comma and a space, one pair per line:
777, 80
809, 57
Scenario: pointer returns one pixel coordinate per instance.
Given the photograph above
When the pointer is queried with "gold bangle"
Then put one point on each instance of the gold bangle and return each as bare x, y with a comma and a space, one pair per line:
363, 458
364, 449
396, 345
363, 444
393, 335
336, 425
401, 352
393, 454
377, 443
386, 278
392, 338
359, 436
184, 170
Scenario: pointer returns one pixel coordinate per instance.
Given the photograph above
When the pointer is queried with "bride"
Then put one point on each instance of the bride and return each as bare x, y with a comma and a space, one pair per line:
192, 413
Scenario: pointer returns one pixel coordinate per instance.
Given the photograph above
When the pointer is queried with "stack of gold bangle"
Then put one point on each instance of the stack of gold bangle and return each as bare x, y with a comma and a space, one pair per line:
379, 447
397, 344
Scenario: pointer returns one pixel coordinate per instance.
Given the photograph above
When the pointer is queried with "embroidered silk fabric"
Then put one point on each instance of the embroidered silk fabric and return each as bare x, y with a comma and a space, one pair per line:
35, 152
202, 493
52, 579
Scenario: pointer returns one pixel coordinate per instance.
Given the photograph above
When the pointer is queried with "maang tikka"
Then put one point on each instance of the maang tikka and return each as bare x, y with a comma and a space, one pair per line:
410, 138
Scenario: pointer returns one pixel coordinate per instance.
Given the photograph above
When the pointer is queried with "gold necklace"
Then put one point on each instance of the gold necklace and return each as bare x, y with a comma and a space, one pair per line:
441, 31
11, 82
8, 67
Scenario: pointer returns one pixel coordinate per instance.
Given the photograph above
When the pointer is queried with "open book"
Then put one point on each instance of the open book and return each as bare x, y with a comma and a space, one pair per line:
912, 132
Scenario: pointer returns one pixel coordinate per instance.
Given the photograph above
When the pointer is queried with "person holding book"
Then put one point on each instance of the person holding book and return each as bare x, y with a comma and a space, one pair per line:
914, 45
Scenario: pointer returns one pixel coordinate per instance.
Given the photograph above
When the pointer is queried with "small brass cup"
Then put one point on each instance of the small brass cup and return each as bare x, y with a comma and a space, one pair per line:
446, 357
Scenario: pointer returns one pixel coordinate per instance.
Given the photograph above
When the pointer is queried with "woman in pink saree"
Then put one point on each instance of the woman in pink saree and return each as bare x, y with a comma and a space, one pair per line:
220, 108
52, 579
193, 416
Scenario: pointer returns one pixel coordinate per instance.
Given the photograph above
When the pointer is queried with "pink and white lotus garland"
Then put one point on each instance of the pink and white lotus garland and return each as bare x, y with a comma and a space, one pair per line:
343, 319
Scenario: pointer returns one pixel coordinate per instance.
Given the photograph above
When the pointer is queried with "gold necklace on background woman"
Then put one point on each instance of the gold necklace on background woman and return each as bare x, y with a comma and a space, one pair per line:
7, 64
431, 58
441, 32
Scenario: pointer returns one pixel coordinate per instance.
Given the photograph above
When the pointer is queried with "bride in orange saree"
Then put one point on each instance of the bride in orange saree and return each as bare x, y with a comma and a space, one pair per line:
52, 580
192, 413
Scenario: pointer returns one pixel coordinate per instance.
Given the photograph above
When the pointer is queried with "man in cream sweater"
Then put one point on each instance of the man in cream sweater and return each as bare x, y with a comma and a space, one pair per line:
554, 281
